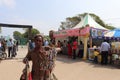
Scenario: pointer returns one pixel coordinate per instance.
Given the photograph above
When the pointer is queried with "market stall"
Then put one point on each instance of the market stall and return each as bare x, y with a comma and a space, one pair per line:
95, 31
97, 37
86, 30
114, 37
65, 34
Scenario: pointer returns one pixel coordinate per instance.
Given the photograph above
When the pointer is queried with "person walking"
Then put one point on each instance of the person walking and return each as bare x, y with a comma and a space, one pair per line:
10, 48
14, 49
46, 43
40, 61
31, 45
17, 44
105, 48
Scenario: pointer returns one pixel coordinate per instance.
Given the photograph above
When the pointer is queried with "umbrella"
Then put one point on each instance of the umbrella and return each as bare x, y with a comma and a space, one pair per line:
113, 33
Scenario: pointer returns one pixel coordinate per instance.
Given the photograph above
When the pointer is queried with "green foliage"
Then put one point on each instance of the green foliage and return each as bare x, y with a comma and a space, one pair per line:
17, 35
23, 41
33, 33
99, 21
76, 19
82, 15
70, 22
110, 27
47, 37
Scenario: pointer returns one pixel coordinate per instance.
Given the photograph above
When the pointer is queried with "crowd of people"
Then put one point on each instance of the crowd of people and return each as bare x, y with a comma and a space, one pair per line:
72, 49
10, 45
43, 53
101, 54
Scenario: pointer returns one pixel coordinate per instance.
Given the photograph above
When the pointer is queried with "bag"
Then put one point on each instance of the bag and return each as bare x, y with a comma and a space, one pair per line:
23, 77
29, 76
26, 75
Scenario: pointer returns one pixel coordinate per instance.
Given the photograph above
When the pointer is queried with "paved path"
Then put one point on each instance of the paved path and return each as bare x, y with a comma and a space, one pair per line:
66, 69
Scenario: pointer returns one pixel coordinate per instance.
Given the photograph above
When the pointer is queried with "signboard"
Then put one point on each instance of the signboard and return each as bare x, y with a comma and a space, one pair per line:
97, 32
64, 33
73, 32
86, 31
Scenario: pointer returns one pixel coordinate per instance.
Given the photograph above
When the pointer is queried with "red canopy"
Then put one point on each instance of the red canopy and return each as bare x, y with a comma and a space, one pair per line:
73, 32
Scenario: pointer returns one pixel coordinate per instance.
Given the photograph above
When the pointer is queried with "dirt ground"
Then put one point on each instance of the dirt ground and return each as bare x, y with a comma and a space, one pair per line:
66, 69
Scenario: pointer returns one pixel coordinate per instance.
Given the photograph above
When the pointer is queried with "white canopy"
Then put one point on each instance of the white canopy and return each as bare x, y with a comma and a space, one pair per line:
88, 20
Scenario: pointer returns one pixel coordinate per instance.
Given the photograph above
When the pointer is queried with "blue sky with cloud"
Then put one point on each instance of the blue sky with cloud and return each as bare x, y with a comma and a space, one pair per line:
45, 15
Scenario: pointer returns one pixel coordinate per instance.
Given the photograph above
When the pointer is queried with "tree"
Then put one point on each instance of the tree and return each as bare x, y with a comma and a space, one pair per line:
17, 35
33, 33
102, 23
72, 21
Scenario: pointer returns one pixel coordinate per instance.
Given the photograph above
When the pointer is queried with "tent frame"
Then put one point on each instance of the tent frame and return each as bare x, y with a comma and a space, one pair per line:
18, 26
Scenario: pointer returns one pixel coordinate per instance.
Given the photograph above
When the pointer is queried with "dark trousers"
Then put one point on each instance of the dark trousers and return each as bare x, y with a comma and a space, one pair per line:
74, 53
14, 51
9, 51
104, 55
16, 47
80, 53
95, 59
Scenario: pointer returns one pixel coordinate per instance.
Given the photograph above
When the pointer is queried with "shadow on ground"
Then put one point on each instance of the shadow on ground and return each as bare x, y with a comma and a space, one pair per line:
65, 59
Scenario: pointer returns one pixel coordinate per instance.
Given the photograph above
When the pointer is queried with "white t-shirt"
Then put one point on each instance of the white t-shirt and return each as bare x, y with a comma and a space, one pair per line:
105, 46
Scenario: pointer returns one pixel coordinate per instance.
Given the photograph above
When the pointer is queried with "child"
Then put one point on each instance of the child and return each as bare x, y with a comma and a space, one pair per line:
96, 53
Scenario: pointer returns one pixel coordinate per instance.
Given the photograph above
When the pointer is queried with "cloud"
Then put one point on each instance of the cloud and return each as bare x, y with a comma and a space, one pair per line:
8, 3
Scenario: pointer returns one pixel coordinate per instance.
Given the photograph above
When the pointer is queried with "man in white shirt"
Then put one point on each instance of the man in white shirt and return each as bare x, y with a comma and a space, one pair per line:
10, 46
105, 47
46, 43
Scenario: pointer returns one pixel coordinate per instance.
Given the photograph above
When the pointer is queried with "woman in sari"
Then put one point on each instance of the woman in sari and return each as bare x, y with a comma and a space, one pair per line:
40, 61
69, 50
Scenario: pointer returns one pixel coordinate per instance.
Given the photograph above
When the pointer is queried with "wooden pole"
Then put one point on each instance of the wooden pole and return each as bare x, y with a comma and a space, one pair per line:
29, 33
85, 48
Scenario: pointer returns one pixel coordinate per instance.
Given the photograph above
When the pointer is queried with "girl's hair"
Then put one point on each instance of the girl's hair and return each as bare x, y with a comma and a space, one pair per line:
95, 49
38, 36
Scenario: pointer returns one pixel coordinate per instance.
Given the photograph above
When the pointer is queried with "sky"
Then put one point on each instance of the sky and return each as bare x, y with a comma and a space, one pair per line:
46, 15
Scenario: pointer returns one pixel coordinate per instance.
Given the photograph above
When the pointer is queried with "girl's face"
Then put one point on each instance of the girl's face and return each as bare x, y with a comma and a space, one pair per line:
38, 41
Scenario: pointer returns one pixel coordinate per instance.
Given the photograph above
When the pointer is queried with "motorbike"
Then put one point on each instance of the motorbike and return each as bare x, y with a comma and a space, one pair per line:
3, 55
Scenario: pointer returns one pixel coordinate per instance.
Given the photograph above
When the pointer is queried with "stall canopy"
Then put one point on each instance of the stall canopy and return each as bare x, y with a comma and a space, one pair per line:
113, 33
96, 30
81, 30
88, 20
